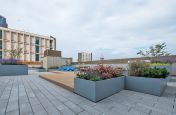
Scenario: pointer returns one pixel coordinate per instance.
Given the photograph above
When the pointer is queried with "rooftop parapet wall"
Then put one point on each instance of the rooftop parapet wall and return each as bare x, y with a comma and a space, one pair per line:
171, 58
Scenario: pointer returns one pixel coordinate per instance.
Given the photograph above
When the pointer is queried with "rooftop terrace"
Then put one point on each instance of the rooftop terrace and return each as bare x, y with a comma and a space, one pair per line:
28, 95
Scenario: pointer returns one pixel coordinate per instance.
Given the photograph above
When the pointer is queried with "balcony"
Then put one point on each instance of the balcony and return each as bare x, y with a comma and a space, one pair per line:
42, 45
20, 42
26, 52
32, 52
6, 40
47, 47
32, 44
26, 43
13, 41
6, 50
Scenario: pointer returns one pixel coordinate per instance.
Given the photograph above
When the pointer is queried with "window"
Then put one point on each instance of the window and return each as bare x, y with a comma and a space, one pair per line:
0, 54
0, 34
12, 36
0, 44
37, 49
37, 41
36, 57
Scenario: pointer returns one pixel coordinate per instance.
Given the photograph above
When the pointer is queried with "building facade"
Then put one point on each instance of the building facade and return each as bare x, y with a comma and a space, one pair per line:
32, 45
83, 57
3, 22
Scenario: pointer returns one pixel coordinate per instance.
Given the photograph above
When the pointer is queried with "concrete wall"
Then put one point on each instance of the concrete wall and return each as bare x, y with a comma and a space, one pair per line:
49, 61
171, 58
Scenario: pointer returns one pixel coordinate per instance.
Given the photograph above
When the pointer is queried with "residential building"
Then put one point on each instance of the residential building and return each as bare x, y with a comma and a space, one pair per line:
33, 45
84, 56
3, 22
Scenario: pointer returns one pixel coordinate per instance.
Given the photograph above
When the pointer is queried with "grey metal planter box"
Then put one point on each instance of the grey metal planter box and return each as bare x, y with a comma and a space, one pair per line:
173, 71
11, 70
98, 90
168, 78
154, 86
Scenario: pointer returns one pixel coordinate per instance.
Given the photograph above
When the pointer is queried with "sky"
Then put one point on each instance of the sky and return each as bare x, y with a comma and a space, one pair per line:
108, 28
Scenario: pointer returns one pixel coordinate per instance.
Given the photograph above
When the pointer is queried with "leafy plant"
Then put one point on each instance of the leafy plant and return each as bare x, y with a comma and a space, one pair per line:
95, 78
143, 69
80, 75
106, 75
156, 72
99, 73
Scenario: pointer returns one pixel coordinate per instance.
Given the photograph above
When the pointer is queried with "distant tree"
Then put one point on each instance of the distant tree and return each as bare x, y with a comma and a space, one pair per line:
16, 53
155, 52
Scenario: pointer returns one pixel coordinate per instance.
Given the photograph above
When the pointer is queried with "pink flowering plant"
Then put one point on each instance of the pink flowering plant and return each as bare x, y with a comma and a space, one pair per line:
100, 73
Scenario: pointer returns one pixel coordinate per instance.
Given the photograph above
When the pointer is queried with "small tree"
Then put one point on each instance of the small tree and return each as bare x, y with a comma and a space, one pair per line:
155, 52
16, 53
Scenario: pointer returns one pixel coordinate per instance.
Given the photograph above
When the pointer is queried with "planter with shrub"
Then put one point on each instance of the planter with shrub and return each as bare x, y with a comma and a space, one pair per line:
98, 83
11, 67
167, 66
146, 79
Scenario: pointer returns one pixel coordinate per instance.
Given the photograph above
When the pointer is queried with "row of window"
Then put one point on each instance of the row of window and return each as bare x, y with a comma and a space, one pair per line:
37, 48
0, 43
0, 54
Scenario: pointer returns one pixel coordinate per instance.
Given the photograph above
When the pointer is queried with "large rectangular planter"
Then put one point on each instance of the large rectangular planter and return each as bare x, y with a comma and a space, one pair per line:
173, 71
11, 70
98, 90
154, 86
168, 78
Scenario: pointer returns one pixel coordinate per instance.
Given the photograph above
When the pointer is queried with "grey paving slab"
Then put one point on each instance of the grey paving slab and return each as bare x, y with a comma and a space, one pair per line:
31, 95
15, 112
25, 108
12, 106
84, 113
73, 107
39, 110
143, 108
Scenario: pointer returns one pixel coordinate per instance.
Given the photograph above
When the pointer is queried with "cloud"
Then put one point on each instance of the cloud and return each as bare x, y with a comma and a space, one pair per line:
113, 28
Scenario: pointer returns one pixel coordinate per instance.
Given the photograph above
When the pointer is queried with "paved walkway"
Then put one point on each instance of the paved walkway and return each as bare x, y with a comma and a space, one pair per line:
28, 95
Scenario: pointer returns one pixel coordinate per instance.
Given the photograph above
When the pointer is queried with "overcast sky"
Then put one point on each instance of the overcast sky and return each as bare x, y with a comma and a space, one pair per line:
112, 28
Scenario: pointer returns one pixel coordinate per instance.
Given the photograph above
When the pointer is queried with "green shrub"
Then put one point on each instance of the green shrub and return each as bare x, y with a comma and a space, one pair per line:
144, 70
95, 78
156, 72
